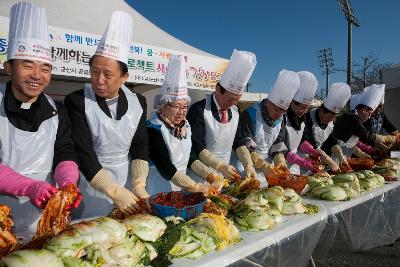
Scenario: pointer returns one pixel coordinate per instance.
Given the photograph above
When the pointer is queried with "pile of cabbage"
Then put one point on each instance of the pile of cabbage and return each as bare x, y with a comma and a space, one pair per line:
369, 180
204, 234
263, 209
136, 241
388, 167
344, 186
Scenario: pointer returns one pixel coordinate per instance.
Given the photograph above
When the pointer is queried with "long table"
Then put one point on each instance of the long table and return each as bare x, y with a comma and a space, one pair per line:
371, 220
291, 243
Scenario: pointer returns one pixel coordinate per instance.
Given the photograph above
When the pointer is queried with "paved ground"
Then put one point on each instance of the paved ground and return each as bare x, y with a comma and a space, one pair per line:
385, 256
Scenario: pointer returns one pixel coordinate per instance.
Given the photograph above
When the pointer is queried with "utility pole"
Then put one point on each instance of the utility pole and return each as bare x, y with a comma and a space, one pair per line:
345, 7
247, 86
326, 65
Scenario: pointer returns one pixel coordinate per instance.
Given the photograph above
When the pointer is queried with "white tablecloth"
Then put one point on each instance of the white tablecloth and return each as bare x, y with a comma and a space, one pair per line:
334, 207
371, 220
253, 242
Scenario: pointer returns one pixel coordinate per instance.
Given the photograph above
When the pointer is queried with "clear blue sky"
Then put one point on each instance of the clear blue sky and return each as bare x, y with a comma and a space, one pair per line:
282, 34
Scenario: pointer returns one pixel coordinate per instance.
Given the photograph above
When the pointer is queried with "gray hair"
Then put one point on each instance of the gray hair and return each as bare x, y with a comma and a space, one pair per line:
162, 99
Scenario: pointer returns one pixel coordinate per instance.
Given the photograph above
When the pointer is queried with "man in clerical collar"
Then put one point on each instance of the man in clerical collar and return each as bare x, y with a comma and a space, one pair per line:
37, 153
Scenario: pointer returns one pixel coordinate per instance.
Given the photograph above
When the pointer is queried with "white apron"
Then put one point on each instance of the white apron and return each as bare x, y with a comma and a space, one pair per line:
295, 137
320, 135
179, 152
219, 136
30, 154
264, 136
347, 147
111, 141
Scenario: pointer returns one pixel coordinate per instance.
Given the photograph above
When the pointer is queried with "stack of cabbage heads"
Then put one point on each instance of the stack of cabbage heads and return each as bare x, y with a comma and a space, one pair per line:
204, 234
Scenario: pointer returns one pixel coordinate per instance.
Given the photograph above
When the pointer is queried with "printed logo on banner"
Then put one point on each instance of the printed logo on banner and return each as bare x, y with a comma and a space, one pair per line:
54, 37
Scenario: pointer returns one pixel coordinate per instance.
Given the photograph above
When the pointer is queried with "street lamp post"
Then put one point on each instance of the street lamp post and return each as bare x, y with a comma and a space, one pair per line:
345, 7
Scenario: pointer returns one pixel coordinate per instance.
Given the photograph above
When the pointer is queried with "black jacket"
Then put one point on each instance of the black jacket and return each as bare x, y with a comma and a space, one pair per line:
347, 125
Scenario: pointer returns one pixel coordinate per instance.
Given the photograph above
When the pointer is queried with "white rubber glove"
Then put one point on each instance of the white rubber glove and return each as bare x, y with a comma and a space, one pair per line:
244, 157
124, 199
185, 182
359, 153
279, 159
337, 152
140, 171
328, 160
228, 171
213, 178
262, 165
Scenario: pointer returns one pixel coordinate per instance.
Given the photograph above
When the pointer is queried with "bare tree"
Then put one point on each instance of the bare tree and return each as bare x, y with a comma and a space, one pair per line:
367, 72
363, 74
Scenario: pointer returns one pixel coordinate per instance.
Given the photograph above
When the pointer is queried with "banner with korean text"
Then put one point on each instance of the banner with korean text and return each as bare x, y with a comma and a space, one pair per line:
147, 64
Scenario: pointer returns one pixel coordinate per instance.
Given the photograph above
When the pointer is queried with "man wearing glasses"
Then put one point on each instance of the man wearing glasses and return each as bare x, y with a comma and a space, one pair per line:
262, 128
214, 120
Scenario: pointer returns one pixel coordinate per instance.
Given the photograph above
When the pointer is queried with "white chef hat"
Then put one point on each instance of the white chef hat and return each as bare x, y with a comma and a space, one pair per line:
338, 95
117, 37
354, 100
308, 87
175, 83
383, 95
239, 70
28, 34
372, 95
285, 88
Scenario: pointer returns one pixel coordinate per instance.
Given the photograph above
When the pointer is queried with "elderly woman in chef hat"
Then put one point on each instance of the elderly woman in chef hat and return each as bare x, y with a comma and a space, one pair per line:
170, 135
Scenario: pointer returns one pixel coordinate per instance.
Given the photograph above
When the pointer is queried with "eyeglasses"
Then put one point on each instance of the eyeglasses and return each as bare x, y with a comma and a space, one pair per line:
177, 108
278, 109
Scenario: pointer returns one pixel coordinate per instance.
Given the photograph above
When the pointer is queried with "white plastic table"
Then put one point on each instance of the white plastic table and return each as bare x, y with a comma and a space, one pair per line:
334, 207
371, 220
300, 232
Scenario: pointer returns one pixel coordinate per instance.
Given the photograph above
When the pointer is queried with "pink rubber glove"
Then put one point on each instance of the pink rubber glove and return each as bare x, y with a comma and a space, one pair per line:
293, 158
308, 149
15, 184
67, 173
366, 148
